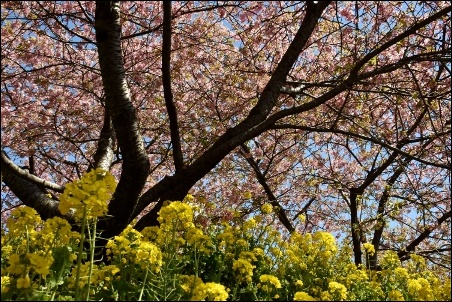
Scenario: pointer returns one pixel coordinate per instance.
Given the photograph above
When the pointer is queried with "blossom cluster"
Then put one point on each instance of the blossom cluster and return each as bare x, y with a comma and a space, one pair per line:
91, 194
31, 246
240, 260
129, 248
200, 291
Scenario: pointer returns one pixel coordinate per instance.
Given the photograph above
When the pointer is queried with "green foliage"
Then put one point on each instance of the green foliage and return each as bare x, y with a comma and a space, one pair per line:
242, 260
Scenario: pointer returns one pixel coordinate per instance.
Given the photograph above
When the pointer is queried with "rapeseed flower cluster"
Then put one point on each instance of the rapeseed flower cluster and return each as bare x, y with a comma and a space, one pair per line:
338, 292
395, 295
243, 270
5, 283
266, 208
23, 219
197, 239
28, 246
148, 254
58, 231
128, 248
38, 254
189, 282
369, 248
239, 260
420, 288
88, 195
269, 283
199, 291
177, 215
101, 276
303, 296
209, 291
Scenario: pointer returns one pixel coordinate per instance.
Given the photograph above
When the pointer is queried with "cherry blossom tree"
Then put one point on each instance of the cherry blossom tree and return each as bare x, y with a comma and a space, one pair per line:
336, 113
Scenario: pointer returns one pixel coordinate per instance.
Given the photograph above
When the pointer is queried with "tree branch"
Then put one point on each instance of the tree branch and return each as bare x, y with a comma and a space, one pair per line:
373, 261
263, 182
370, 139
103, 158
305, 208
64, 26
398, 38
13, 168
30, 194
168, 94
354, 77
181, 182
427, 231
299, 88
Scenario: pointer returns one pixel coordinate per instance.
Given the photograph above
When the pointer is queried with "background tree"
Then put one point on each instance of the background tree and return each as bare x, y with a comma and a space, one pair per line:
339, 111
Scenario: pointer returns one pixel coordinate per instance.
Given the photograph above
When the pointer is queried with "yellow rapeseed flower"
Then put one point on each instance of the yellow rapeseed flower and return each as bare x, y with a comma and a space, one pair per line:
40, 264
148, 254
247, 195
210, 291
302, 217
258, 252
338, 291
270, 279
21, 220
250, 224
5, 282
248, 256
227, 237
241, 243
420, 289
7, 249
15, 266
197, 238
302, 296
266, 208
418, 262
369, 248
150, 233
390, 260
90, 193
401, 273
324, 241
276, 251
59, 228
243, 269
189, 282
23, 282
176, 213
395, 295
356, 276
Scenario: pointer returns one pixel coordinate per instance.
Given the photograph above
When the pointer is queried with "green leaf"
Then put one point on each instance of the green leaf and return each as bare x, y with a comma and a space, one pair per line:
61, 265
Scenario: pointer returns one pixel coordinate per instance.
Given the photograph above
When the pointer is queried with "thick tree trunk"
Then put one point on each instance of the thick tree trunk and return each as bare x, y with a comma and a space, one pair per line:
355, 194
135, 163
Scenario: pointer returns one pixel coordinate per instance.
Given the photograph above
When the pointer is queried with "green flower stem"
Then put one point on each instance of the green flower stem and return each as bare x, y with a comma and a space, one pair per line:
234, 295
28, 239
79, 256
144, 283
92, 240
255, 296
196, 263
